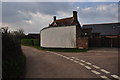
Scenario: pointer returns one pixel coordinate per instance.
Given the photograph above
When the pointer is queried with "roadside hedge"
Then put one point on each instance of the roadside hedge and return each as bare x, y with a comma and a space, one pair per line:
33, 42
13, 59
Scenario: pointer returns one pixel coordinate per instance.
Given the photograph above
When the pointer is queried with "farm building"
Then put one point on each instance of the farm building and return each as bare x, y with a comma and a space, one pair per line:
33, 36
64, 33
68, 33
103, 35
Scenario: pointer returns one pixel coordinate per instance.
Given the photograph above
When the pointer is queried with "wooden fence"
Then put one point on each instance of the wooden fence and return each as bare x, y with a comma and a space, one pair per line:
104, 42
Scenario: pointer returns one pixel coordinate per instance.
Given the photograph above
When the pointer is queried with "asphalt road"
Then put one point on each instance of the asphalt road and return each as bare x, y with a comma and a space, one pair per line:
97, 63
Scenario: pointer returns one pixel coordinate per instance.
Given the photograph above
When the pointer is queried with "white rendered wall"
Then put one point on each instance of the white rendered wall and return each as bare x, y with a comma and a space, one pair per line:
59, 37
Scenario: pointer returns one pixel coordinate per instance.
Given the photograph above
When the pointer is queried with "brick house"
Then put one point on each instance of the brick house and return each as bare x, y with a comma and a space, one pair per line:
64, 33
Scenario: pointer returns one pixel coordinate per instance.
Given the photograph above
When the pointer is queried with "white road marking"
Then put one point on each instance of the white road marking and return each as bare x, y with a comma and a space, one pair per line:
67, 58
72, 57
75, 58
59, 54
75, 61
88, 63
95, 72
53, 53
96, 67
104, 77
49, 51
82, 60
115, 76
104, 71
88, 67
81, 64
64, 56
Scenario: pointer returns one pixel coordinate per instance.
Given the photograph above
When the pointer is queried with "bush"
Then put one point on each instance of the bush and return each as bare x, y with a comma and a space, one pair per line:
13, 60
36, 42
30, 42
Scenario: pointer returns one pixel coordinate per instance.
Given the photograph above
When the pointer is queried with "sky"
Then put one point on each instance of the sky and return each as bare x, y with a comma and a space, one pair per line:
33, 16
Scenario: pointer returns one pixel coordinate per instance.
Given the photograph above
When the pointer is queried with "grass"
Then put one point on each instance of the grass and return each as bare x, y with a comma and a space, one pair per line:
59, 49
30, 42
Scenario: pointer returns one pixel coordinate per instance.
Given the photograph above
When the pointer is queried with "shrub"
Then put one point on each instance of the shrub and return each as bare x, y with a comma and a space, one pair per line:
36, 42
13, 60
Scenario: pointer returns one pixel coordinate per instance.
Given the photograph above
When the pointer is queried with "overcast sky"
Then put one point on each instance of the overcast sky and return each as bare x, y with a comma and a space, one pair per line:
33, 16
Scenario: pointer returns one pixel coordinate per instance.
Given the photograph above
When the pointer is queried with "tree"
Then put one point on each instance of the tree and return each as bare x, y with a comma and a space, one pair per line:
18, 34
4, 30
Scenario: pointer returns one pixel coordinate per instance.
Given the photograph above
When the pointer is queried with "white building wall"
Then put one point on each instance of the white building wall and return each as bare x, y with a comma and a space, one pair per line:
59, 37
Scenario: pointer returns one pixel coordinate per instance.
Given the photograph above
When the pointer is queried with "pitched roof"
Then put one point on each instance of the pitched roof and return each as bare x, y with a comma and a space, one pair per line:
34, 35
64, 22
105, 28
102, 23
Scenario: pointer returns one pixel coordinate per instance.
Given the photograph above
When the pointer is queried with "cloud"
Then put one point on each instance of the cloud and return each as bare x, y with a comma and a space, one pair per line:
36, 22
63, 14
10, 26
0, 13
99, 14
29, 22
88, 9
34, 16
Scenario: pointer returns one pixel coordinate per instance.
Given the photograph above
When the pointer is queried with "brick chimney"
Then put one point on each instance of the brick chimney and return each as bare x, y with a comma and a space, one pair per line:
54, 18
75, 15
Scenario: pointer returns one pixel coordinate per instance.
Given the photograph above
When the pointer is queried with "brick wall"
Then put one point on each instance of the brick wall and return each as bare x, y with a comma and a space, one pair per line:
82, 43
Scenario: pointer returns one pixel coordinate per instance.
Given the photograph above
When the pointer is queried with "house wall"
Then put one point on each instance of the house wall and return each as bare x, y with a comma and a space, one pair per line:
59, 37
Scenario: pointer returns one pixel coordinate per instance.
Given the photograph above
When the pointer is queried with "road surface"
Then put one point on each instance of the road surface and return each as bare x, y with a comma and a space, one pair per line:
97, 63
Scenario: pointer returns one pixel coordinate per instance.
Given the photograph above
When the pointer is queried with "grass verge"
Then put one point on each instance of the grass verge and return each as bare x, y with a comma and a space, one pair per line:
59, 49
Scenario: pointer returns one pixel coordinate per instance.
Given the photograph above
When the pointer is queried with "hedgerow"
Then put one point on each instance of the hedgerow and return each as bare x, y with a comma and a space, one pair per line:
13, 59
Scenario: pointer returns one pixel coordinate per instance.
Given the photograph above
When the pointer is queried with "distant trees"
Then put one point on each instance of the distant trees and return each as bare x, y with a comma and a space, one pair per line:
13, 59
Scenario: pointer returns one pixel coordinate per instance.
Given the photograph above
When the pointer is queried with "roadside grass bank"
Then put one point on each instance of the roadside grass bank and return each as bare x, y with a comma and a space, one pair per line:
58, 49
